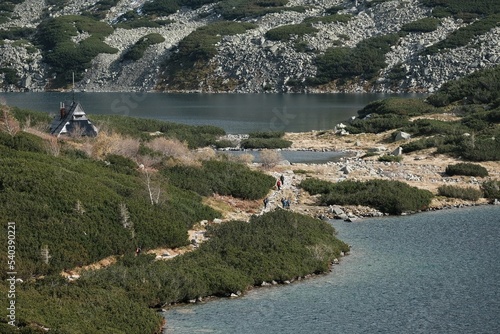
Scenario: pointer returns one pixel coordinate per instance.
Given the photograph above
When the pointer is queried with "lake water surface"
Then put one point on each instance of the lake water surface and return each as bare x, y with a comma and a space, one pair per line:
235, 113
434, 272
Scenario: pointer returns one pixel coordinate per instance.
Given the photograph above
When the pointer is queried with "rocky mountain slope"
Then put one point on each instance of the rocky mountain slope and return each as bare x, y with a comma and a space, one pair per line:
250, 62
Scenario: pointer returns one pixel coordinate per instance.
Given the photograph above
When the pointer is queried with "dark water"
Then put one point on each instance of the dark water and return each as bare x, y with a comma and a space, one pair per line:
309, 157
235, 113
435, 272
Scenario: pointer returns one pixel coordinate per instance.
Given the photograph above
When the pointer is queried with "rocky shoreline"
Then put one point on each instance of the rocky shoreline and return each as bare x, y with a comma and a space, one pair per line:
423, 169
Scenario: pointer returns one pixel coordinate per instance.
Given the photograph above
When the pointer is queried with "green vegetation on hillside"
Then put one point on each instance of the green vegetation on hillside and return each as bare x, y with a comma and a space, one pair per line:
221, 177
391, 197
194, 136
65, 307
80, 207
132, 20
200, 44
99, 10
376, 123
160, 7
188, 64
397, 106
465, 193
30, 118
465, 35
491, 189
55, 36
71, 210
475, 136
483, 15
284, 33
7, 8
427, 24
238, 9
390, 158
10, 76
167, 7
462, 8
265, 140
480, 88
137, 50
278, 245
228, 9
467, 169
365, 60
16, 33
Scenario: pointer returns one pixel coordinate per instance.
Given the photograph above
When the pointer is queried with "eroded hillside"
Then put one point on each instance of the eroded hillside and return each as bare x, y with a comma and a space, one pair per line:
244, 46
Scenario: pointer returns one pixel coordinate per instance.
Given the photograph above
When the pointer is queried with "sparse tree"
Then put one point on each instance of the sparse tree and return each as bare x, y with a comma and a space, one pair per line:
127, 147
125, 220
169, 147
102, 145
148, 161
270, 158
53, 146
205, 153
79, 208
246, 158
44, 252
8, 122
154, 191
27, 123
88, 147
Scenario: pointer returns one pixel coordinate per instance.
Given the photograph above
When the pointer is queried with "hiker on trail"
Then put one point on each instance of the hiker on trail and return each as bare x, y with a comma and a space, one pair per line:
288, 203
282, 179
278, 184
283, 202
266, 200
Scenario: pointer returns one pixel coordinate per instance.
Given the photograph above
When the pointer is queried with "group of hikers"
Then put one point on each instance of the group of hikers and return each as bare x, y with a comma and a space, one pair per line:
285, 202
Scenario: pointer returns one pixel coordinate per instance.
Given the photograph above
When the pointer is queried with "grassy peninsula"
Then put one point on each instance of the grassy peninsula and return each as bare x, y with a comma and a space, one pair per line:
141, 184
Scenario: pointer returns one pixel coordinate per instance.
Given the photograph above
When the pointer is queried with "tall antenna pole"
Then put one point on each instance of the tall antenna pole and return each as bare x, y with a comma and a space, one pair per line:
73, 86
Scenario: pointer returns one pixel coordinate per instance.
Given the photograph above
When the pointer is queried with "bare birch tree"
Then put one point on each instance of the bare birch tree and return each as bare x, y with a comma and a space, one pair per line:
125, 220
44, 252
9, 123
154, 191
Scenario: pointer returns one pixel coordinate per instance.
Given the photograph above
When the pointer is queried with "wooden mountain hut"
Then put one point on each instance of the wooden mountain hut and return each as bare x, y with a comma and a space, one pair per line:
72, 120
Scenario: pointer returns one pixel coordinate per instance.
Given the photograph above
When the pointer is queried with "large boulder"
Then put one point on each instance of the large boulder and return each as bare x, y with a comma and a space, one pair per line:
346, 169
402, 136
335, 209
398, 151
